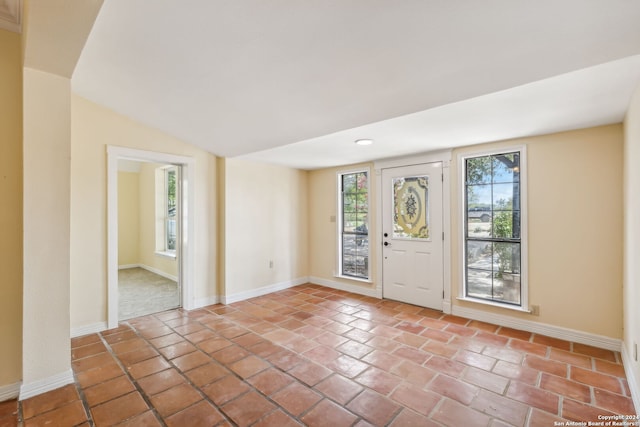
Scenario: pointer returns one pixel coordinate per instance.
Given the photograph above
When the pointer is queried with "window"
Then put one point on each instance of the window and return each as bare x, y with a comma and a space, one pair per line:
170, 206
166, 210
354, 224
494, 241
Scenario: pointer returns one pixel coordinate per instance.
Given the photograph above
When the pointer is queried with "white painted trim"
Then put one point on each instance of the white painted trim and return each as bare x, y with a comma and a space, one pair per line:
47, 384
446, 227
264, 290
418, 159
128, 266
112, 238
10, 391
553, 331
524, 220
360, 290
187, 252
634, 383
207, 301
92, 328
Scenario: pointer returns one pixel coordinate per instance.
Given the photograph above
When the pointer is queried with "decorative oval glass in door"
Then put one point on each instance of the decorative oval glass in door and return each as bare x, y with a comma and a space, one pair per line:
411, 207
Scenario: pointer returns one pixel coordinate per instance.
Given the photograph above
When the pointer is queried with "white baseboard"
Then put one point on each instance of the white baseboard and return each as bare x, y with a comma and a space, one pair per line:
10, 391
559, 332
632, 380
93, 328
264, 290
47, 384
446, 306
360, 290
204, 302
151, 269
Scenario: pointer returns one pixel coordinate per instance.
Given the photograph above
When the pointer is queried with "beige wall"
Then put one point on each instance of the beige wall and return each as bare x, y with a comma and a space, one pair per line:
147, 212
93, 128
575, 220
632, 239
11, 212
575, 229
322, 225
266, 211
128, 218
137, 221
47, 153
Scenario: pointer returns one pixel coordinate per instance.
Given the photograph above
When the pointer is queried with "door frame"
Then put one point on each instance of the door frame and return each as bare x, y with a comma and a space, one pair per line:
438, 156
186, 260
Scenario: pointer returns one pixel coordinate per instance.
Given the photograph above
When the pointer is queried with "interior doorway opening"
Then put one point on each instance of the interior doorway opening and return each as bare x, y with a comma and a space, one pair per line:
149, 227
150, 233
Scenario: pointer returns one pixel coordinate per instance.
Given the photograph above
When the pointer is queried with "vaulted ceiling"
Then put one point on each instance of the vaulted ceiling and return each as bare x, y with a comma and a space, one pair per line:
296, 82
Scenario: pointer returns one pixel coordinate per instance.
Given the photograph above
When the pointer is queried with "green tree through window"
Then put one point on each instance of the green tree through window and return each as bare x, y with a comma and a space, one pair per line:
492, 228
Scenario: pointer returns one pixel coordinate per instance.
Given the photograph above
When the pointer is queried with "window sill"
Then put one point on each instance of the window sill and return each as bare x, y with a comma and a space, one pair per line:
166, 254
355, 279
495, 304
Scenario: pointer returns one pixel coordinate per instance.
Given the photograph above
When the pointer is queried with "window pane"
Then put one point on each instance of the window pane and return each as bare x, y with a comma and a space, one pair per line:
170, 232
506, 224
349, 183
506, 258
479, 214
355, 241
349, 203
411, 207
480, 255
506, 288
479, 197
479, 170
506, 168
355, 249
503, 195
479, 284
493, 257
362, 202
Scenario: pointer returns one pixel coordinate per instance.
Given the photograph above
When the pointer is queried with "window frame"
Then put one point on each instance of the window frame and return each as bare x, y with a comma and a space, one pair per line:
340, 221
162, 210
524, 276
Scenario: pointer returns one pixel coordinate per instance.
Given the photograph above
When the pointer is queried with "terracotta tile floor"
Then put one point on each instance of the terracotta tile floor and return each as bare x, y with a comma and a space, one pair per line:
320, 357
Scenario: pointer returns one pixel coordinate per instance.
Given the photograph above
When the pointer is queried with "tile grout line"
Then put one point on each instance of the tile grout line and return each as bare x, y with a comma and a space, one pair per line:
252, 388
363, 307
147, 401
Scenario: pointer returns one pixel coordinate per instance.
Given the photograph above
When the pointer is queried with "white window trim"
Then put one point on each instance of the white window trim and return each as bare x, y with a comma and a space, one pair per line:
339, 274
524, 210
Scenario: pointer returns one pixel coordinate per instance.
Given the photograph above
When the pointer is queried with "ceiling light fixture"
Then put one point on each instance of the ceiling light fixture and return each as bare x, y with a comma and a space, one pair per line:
364, 141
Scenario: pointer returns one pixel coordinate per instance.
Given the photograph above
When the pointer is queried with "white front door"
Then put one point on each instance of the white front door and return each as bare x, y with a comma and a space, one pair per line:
412, 252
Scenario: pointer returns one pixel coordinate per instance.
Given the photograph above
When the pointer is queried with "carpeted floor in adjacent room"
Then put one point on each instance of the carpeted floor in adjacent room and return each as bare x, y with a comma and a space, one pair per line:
141, 292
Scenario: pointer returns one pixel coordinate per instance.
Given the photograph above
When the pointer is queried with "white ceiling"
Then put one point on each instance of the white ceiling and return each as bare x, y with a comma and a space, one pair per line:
296, 82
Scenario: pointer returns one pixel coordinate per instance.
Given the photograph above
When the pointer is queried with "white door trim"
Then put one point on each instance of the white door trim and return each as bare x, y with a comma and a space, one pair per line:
439, 156
186, 272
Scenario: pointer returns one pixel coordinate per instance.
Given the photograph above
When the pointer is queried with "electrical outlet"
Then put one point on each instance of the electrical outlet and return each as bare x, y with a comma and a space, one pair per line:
332, 218
270, 263
535, 310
